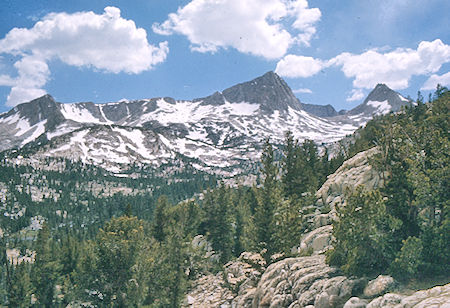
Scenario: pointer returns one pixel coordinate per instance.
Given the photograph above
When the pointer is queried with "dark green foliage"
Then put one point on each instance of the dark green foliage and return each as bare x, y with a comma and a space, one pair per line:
118, 247
269, 196
20, 288
46, 268
291, 165
409, 258
112, 270
289, 228
363, 234
245, 204
168, 281
218, 221
69, 255
160, 219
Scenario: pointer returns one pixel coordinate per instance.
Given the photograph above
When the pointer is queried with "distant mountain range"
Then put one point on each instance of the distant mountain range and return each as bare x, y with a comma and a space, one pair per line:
218, 133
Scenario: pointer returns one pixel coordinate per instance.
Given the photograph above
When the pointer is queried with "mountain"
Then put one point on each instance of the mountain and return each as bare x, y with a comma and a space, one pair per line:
223, 131
380, 100
324, 111
269, 91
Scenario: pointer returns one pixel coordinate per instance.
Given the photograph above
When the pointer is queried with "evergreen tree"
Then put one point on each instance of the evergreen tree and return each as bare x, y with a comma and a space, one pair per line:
269, 197
117, 249
45, 269
160, 218
19, 288
363, 234
167, 271
290, 167
218, 221
408, 259
69, 254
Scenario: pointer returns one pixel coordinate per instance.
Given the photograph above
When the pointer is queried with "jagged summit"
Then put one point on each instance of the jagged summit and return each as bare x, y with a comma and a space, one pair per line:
269, 91
381, 100
44, 108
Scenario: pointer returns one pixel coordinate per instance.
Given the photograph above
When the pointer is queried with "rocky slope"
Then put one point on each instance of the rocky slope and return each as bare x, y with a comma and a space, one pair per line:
219, 133
308, 281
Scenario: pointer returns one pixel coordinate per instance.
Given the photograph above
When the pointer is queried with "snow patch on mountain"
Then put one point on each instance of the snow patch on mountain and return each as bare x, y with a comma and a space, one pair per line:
381, 107
60, 130
23, 127
104, 116
403, 99
78, 113
192, 112
39, 129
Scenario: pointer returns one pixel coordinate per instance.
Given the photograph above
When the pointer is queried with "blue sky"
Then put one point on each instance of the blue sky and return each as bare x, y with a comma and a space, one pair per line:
329, 52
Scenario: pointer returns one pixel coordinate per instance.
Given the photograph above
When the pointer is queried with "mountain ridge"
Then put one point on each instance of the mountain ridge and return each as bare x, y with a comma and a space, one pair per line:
220, 131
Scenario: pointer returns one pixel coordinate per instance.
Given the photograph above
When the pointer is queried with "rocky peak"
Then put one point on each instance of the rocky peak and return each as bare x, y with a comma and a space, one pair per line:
39, 109
381, 100
269, 91
380, 90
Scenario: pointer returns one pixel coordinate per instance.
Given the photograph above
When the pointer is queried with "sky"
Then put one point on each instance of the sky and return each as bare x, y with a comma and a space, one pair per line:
329, 52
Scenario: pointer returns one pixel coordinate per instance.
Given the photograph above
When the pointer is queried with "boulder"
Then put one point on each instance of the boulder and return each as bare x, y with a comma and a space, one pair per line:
355, 302
353, 172
317, 241
299, 282
435, 297
200, 243
379, 286
233, 287
209, 291
390, 300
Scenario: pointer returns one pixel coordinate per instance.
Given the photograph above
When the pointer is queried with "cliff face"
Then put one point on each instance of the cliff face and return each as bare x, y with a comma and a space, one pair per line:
308, 281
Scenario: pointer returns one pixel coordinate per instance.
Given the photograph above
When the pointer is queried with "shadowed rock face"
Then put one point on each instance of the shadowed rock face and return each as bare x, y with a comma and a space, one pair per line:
42, 108
324, 111
269, 91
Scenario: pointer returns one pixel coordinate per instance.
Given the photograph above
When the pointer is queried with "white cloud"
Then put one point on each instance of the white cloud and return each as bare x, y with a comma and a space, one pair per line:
434, 80
33, 74
303, 90
255, 27
305, 20
7, 81
355, 95
299, 66
105, 42
395, 68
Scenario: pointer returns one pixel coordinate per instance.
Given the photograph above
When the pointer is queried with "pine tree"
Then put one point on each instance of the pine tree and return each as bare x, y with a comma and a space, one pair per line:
290, 171
218, 221
160, 218
20, 288
45, 269
167, 273
363, 234
269, 197
118, 245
